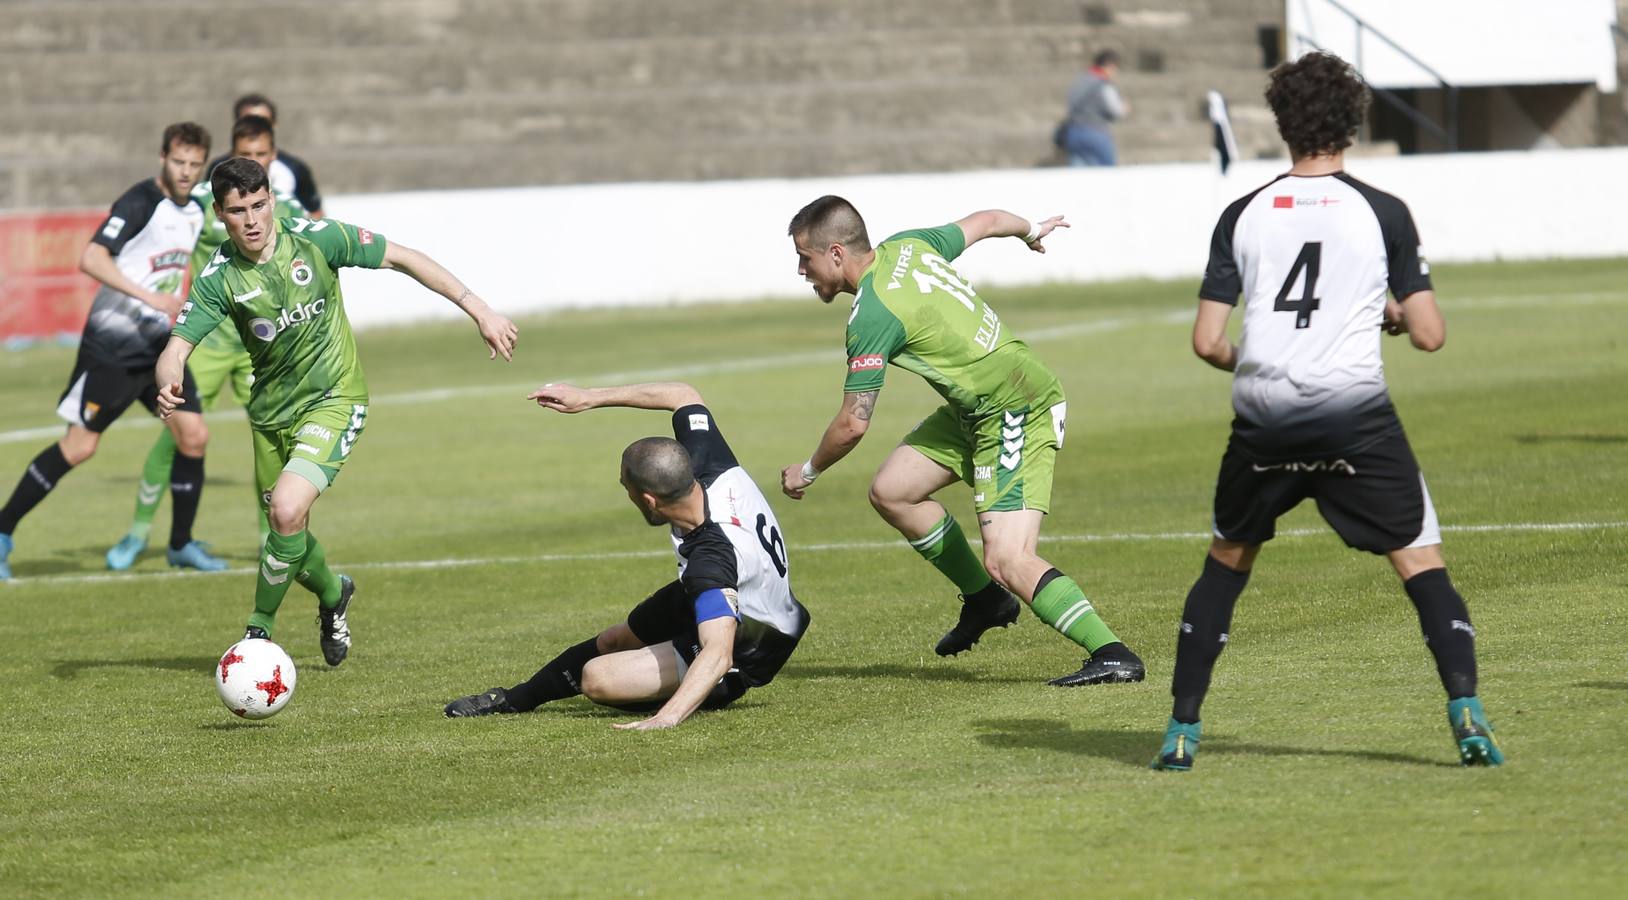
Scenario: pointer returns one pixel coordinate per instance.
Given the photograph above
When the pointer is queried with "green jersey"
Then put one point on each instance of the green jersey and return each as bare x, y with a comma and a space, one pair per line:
915, 311
225, 340
290, 315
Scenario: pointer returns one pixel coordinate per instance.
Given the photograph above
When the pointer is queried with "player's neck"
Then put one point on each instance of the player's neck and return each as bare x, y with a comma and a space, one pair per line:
855, 270
1318, 164
270, 250
688, 514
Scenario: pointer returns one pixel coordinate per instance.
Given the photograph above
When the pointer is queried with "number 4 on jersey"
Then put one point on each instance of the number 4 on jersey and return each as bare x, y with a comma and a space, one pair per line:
1310, 259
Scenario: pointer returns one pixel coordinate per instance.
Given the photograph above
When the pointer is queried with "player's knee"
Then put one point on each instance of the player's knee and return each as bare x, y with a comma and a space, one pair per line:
999, 563
286, 517
596, 682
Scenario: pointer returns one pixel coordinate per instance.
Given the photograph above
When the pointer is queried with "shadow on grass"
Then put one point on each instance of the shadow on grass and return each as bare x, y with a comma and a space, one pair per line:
197, 665
1604, 685
946, 672
1139, 747
1587, 438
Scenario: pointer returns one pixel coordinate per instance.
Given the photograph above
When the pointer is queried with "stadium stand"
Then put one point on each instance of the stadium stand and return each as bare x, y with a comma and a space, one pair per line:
408, 94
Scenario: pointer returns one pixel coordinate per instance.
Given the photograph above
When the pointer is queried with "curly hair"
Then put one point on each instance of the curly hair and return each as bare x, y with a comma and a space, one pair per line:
1319, 102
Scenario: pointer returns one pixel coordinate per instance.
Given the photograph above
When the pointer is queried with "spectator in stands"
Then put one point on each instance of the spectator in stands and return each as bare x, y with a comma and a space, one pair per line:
289, 175
1093, 104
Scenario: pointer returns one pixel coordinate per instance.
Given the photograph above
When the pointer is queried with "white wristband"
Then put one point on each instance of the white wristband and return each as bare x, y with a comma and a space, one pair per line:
809, 472
1034, 233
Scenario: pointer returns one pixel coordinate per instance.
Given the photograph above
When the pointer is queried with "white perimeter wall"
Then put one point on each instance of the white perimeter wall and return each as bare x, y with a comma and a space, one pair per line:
530, 250
1470, 42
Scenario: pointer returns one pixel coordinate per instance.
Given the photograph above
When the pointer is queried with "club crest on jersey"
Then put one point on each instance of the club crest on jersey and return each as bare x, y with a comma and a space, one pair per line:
300, 272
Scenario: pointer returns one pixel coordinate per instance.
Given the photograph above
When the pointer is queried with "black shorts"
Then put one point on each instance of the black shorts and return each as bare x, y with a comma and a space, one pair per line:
668, 615
98, 393
1374, 498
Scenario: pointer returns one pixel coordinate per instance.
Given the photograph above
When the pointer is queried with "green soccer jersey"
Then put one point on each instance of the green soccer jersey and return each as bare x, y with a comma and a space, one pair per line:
290, 315
915, 311
225, 340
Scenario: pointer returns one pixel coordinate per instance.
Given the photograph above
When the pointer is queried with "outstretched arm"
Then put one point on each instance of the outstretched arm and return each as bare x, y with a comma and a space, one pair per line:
496, 330
171, 369
839, 439
1000, 223
568, 398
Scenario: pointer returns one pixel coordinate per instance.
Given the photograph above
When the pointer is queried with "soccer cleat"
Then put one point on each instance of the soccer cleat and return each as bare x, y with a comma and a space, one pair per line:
255, 633
5, 557
1114, 664
124, 553
1180, 746
486, 703
1476, 745
992, 607
332, 627
194, 555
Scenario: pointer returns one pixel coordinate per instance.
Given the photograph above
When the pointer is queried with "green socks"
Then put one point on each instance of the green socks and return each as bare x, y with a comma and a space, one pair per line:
947, 549
315, 576
155, 477
1062, 605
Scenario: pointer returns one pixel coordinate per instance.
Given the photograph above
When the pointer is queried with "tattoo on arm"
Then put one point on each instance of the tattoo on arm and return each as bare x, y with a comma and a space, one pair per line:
864, 404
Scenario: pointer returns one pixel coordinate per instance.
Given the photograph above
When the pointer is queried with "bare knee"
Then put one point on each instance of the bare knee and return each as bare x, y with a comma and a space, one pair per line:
285, 516
596, 681
1001, 564
79, 445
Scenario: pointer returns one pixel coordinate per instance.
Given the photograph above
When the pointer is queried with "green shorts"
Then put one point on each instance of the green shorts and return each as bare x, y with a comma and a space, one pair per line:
315, 447
212, 370
1007, 459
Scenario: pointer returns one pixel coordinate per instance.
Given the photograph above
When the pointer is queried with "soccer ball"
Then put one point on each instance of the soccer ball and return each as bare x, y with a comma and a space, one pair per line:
255, 679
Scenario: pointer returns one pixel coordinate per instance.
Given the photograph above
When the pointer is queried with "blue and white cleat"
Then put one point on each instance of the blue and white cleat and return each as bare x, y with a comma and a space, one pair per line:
5, 557
196, 555
125, 552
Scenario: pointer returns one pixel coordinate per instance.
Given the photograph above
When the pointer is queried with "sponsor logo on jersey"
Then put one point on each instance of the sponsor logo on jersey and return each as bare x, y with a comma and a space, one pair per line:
365, 236
1289, 202
303, 447
1321, 465
245, 298
169, 259
115, 224
866, 362
1283, 203
1424, 264
268, 329
312, 429
698, 422
983, 473
181, 317
300, 272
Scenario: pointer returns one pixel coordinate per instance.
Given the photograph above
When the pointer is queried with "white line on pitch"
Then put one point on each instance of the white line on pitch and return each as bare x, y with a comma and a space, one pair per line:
467, 562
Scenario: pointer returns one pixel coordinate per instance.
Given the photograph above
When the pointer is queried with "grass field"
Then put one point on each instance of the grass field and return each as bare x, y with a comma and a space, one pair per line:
485, 535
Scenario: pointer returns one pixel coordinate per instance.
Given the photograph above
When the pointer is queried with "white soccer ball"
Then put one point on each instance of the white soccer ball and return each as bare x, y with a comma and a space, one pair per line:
255, 679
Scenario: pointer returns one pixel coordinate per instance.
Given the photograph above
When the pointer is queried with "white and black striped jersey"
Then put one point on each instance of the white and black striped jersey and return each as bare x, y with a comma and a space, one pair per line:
151, 238
1313, 258
737, 509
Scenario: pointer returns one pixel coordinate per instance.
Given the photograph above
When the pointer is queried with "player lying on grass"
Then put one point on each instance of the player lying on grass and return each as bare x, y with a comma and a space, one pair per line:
728, 622
999, 430
1313, 253
277, 282
217, 362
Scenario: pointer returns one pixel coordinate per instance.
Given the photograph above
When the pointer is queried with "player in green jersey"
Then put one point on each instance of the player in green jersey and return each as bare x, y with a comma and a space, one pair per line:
218, 361
277, 281
999, 430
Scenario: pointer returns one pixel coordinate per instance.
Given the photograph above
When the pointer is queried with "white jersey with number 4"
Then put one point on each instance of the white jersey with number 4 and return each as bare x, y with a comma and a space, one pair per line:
1313, 258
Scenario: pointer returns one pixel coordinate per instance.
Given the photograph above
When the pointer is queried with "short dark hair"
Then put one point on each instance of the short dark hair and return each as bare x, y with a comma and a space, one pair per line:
250, 127
237, 174
831, 220
1319, 102
660, 467
254, 100
1106, 58
189, 133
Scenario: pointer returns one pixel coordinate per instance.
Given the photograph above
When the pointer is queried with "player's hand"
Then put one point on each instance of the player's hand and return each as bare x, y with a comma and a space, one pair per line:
499, 333
653, 723
1047, 227
792, 481
565, 398
1394, 323
169, 399
168, 304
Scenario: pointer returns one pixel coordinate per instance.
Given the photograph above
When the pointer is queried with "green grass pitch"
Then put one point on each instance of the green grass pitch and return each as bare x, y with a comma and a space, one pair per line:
486, 534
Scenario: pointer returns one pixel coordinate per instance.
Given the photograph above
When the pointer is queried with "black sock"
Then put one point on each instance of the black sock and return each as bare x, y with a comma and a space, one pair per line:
42, 475
1447, 631
186, 489
1205, 620
561, 678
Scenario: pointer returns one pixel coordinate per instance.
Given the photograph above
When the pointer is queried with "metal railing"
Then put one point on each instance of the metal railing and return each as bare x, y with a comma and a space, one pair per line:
1447, 131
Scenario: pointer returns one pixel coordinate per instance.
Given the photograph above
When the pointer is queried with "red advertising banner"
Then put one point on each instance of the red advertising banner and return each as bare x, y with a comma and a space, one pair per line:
42, 292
